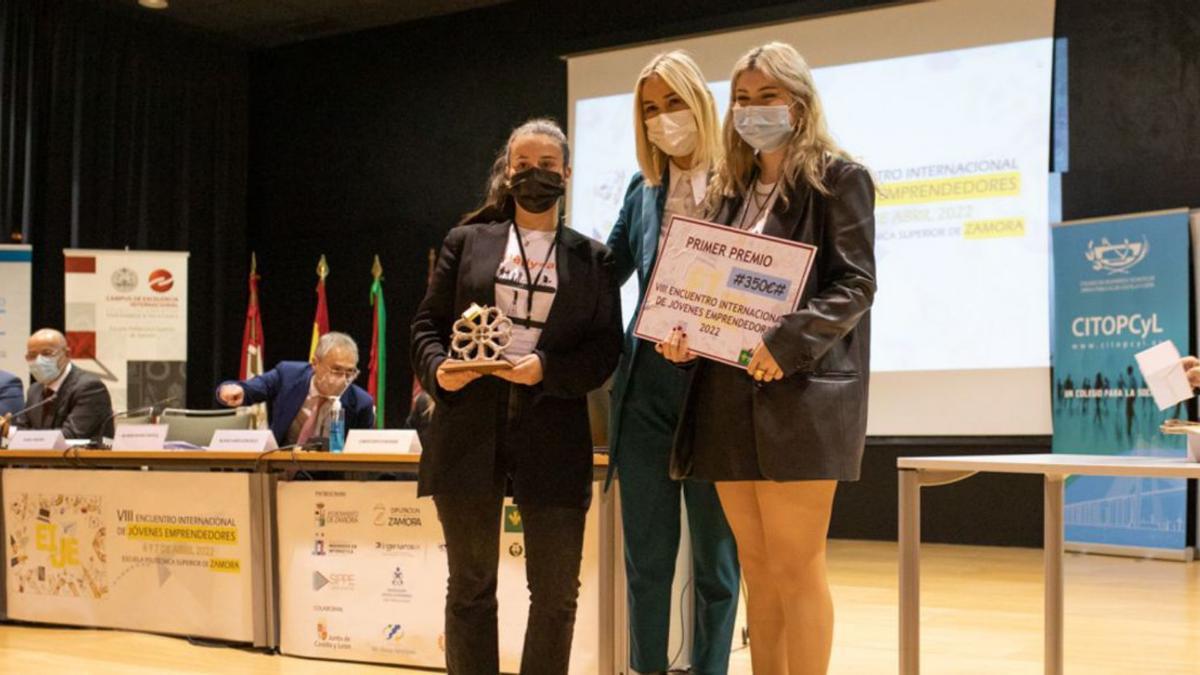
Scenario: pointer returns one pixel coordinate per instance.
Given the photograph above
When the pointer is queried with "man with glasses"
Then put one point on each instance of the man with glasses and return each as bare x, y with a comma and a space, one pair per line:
299, 395
65, 397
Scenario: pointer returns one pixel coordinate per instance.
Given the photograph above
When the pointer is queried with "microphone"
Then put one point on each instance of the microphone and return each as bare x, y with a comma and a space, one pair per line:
97, 442
6, 420
35, 406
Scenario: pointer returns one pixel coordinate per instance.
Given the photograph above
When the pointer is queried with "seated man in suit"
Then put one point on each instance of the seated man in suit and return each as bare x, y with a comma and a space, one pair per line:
12, 393
299, 394
76, 401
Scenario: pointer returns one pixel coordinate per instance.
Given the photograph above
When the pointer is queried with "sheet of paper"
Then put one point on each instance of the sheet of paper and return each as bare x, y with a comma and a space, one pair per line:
1161, 367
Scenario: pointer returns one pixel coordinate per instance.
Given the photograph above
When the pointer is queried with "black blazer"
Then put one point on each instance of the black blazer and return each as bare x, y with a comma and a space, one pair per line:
83, 408
544, 428
813, 423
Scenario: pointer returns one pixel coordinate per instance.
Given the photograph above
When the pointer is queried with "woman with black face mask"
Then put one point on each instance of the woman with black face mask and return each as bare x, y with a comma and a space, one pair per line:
524, 427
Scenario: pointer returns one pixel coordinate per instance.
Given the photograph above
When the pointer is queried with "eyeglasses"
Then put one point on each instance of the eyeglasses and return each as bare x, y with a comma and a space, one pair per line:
342, 372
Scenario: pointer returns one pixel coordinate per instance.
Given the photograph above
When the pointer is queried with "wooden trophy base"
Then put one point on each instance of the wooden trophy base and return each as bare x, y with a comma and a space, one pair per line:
478, 366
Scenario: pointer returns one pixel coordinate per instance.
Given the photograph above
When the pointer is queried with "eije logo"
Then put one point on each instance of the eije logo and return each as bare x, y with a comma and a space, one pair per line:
161, 281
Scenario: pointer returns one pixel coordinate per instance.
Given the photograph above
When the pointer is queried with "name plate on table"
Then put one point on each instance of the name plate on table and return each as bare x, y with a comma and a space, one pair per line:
1193, 445
383, 441
37, 439
724, 287
139, 437
243, 440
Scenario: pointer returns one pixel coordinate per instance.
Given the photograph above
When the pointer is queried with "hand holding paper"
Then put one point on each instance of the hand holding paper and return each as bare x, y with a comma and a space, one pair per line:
1164, 372
1191, 367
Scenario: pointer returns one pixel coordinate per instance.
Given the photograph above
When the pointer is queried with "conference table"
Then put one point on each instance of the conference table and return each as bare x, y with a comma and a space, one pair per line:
262, 473
916, 473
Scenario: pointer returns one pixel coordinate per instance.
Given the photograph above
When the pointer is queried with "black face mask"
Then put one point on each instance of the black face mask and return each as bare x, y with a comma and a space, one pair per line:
535, 189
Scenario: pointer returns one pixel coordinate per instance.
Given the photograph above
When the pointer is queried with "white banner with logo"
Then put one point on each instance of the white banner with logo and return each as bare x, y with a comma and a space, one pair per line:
362, 577
126, 321
15, 290
162, 552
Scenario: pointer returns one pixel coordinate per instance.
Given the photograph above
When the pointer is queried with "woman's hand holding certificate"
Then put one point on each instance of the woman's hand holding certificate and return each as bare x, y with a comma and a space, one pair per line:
715, 290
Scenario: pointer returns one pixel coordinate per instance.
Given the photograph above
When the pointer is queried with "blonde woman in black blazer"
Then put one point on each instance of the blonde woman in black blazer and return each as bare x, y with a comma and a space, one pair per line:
527, 426
777, 436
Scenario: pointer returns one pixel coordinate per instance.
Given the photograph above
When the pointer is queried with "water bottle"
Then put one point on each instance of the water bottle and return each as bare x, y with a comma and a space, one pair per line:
337, 426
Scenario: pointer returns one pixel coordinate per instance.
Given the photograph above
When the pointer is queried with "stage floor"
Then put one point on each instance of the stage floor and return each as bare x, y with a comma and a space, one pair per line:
982, 613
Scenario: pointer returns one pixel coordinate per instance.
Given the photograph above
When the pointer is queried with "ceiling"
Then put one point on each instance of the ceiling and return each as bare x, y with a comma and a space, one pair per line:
270, 23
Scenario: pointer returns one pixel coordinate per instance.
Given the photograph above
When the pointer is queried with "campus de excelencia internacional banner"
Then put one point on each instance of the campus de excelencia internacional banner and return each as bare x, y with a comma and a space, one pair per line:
362, 577
1121, 285
15, 278
126, 321
161, 552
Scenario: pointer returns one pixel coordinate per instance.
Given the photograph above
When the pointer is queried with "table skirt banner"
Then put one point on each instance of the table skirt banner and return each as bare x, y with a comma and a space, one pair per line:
1121, 286
362, 577
126, 321
163, 552
16, 263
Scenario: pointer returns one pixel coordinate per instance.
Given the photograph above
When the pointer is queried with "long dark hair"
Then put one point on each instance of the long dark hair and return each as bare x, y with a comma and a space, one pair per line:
498, 203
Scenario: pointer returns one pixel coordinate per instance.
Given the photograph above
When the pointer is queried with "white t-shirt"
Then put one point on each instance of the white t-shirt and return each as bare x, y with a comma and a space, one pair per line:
513, 291
752, 217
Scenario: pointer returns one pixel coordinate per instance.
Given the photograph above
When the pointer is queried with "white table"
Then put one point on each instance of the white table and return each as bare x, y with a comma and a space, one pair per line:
919, 472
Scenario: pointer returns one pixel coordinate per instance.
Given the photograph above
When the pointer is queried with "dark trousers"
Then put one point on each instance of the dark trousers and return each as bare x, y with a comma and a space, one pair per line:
650, 513
553, 551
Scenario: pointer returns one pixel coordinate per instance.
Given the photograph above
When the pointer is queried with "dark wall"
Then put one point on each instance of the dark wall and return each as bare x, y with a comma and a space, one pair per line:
120, 129
376, 142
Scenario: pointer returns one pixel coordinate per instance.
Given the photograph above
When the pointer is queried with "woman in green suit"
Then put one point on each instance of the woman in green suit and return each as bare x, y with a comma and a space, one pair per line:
678, 140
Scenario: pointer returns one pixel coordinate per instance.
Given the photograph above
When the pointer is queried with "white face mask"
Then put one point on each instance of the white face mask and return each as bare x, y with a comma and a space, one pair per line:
45, 369
675, 133
763, 127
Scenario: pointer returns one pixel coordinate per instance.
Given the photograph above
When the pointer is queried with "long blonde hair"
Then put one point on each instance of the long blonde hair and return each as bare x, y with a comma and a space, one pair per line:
683, 76
810, 148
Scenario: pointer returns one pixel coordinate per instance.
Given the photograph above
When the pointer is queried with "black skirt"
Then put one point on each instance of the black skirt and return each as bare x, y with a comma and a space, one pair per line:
723, 444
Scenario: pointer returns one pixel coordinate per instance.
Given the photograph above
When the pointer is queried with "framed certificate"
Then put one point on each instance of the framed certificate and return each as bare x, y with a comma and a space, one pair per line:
723, 286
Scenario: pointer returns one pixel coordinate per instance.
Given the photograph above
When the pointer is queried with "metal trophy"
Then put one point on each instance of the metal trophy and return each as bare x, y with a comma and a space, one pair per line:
478, 340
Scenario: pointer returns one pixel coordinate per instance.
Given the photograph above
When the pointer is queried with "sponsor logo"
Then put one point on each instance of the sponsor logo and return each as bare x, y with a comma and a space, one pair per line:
398, 592
393, 632
1110, 325
338, 548
396, 516
1116, 258
124, 280
336, 582
329, 640
392, 548
516, 550
512, 519
323, 517
321, 546
161, 281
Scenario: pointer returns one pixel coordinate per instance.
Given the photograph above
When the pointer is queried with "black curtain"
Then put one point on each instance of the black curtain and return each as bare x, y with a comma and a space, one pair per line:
119, 130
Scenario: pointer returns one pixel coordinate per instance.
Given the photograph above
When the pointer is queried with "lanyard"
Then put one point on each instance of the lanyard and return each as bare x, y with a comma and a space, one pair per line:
528, 273
758, 209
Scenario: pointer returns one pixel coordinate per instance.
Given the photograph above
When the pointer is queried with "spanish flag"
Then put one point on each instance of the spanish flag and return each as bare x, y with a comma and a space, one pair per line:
321, 321
377, 382
252, 343
252, 333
